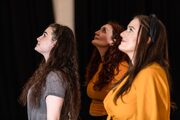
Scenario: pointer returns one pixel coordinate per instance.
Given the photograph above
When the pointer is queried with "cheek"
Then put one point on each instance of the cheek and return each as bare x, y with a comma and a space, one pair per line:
128, 45
46, 47
133, 41
108, 40
132, 45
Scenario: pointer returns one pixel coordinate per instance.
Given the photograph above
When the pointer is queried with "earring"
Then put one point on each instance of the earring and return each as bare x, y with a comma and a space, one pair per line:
111, 44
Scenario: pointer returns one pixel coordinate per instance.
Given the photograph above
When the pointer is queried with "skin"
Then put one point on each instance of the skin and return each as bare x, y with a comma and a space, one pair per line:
45, 43
103, 39
44, 46
54, 106
129, 38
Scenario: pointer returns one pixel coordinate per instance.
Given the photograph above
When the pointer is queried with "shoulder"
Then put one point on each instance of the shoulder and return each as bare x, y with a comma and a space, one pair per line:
54, 76
152, 74
152, 69
122, 69
55, 84
123, 65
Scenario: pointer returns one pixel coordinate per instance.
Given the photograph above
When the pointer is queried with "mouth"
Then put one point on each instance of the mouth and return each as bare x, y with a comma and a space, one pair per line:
95, 37
122, 40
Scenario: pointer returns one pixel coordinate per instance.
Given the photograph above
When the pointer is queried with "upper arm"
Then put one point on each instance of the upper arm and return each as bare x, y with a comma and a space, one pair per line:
54, 95
152, 95
54, 105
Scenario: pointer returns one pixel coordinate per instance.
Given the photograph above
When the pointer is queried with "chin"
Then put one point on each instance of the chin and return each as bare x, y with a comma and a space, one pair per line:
119, 47
36, 49
93, 42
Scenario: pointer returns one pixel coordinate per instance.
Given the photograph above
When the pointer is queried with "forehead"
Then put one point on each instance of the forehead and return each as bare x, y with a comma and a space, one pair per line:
135, 23
48, 30
107, 27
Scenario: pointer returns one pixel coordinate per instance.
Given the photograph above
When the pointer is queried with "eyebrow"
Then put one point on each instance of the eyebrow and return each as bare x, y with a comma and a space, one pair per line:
105, 28
131, 27
45, 32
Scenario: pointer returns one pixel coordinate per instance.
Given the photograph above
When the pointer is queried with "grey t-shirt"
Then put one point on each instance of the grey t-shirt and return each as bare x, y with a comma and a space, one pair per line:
54, 86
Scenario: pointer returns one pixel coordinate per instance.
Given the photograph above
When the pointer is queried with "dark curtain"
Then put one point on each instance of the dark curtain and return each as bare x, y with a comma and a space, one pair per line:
91, 14
21, 22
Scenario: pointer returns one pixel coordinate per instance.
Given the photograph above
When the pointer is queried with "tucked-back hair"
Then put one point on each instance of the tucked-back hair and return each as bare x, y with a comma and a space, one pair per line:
155, 51
112, 58
63, 61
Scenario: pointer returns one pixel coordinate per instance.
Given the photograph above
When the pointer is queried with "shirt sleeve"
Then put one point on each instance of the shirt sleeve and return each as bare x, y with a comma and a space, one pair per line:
54, 85
153, 99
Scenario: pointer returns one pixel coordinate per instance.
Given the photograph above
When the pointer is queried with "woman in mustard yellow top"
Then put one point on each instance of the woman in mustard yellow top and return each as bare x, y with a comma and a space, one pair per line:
107, 65
144, 92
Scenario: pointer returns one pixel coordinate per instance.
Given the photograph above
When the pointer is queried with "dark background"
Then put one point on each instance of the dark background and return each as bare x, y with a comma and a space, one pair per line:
22, 21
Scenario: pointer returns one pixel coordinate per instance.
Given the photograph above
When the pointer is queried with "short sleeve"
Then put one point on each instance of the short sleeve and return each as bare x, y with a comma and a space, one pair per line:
54, 85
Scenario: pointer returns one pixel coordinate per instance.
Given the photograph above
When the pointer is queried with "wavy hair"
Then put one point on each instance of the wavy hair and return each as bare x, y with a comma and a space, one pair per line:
112, 58
63, 61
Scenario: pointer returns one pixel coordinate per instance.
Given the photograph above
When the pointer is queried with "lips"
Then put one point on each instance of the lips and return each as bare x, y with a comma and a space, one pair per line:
122, 40
95, 37
37, 44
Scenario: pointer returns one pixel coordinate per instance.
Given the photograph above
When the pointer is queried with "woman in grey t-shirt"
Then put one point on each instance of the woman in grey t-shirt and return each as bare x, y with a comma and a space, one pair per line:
53, 90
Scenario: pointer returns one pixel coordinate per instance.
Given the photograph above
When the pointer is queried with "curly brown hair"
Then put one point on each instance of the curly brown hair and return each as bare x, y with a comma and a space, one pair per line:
112, 58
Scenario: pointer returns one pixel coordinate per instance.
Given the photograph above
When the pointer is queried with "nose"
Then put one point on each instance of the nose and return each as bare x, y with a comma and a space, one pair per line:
122, 34
96, 32
38, 39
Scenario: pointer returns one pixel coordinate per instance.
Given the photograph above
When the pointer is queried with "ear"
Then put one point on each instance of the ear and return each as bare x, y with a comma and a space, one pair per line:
149, 40
53, 43
112, 42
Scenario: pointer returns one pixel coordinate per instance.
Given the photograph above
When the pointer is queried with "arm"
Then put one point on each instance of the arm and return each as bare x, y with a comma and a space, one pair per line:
54, 96
153, 100
54, 106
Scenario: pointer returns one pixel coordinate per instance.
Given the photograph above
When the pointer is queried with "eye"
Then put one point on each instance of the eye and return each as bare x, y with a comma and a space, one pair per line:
44, 34
129, 29
103, 30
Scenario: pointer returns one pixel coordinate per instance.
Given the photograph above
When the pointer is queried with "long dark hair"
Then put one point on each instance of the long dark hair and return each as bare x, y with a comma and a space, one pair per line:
62, 60
155, 51
112, 58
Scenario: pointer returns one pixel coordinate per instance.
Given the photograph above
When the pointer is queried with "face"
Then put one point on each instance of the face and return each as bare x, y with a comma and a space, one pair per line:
129, 38
45, 42
103, 37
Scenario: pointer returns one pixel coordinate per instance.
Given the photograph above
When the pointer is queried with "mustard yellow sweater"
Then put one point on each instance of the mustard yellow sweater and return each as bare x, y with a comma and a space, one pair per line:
148, 98
96, 106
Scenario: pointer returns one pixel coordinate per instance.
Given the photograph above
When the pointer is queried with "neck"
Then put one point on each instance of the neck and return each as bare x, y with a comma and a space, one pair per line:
46, 57
131, 56
102, 52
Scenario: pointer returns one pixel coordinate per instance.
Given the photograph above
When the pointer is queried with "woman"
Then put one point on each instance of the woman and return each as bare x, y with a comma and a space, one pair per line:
52, 93
107, 65
144, 92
